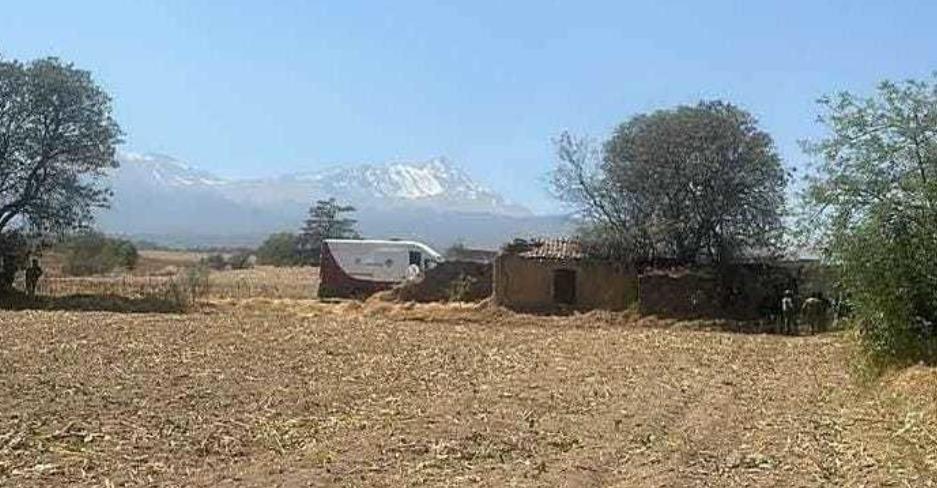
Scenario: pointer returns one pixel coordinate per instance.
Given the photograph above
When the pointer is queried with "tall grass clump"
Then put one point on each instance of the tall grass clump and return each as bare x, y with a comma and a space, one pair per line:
189, 286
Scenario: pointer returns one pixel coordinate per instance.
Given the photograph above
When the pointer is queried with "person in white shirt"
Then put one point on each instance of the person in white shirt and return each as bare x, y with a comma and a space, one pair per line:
414, 273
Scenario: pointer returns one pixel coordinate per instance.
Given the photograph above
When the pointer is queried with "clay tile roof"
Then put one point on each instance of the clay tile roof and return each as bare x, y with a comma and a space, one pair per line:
555, 249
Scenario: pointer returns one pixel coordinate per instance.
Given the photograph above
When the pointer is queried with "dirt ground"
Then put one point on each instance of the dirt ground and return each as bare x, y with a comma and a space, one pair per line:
296, 393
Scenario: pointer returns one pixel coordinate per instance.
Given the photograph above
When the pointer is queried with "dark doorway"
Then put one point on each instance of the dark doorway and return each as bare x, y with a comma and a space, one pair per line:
415, 258
564, 287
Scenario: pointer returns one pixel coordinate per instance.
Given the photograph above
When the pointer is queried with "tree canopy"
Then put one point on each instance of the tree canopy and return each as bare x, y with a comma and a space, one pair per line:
326, 220
690, 183
57, 139
871, 205
280, 249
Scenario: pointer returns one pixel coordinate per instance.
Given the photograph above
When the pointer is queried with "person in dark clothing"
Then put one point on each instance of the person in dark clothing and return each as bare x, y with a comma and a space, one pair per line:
33, 273
788, 313
7, 273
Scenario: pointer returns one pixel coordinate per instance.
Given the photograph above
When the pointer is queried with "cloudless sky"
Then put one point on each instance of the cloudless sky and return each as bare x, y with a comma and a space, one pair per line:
261, 88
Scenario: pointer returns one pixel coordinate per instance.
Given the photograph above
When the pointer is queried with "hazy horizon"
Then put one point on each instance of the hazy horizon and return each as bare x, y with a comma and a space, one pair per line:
248, 90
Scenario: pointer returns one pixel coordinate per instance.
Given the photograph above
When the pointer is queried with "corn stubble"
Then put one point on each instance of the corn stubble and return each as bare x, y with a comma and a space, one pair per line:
270, 391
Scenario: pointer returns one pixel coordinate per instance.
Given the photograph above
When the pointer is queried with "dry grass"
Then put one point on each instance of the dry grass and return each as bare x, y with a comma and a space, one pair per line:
172, 257
121, 285
150, 263
298, 393
157, 270
258, 282
162, 263
266, 282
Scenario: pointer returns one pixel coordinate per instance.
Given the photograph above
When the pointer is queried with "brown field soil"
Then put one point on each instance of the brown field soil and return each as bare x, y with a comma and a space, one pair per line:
274, 392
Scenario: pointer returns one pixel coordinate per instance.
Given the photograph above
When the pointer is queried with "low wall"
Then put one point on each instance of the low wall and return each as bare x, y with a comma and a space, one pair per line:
741, 292
679, 295
440, 283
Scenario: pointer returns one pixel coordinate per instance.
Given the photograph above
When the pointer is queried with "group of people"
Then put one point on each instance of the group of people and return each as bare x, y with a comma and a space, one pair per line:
814, 311
8, 270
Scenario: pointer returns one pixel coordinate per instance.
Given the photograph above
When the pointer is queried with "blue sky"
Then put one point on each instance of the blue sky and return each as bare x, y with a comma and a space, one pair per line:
263, 88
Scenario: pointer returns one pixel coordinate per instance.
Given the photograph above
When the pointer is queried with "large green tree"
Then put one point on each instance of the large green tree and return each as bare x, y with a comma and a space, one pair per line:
871, 205
692, 183
327, 220
57, 140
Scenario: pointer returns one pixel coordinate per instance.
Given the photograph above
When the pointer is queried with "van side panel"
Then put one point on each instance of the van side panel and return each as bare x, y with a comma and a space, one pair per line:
336, 282
371, 262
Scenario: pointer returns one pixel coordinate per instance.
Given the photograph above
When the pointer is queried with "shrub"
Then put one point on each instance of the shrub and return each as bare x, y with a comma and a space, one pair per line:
220, 262
92, 253
241, 260
872, 202
280, 249
189, 286
891, 273
216, 262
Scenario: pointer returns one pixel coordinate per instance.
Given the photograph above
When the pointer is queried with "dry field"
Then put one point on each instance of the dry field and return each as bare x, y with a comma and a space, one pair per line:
265, 282
153, 278
296, 393
158, 270
151, 262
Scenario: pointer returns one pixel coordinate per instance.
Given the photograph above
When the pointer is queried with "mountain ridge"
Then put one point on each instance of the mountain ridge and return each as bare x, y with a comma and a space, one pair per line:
433, 200
436, 181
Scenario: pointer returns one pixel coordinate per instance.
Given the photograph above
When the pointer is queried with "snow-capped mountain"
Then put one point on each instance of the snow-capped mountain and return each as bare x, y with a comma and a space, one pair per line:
163, 199
163, 170
433, 178
437, 184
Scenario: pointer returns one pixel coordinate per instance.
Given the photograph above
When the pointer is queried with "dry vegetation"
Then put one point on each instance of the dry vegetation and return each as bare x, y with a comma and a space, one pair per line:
158, 270
269, 392
264, 281
151, 263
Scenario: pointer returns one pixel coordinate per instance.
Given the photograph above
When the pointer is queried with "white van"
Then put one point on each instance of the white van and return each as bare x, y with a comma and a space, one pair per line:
355, 268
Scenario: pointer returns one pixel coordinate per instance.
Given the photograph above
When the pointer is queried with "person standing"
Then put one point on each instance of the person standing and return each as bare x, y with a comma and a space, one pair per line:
815, 313
33, 273
7, 272
788, 313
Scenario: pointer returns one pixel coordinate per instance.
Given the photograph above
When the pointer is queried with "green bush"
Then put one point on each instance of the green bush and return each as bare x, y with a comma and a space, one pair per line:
280, 249
93, 253
890, 270
220, 262
872, 202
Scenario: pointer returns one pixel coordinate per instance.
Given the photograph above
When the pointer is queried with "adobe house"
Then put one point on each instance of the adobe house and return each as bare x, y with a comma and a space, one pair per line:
550, 275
